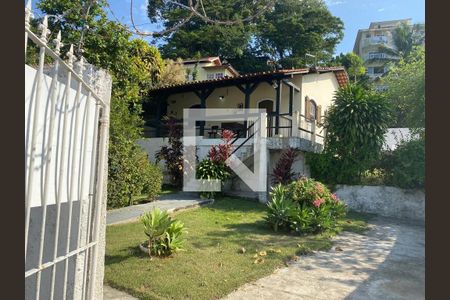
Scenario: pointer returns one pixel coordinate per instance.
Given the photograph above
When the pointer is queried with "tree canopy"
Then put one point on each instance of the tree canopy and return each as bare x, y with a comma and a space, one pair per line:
406, 92
407, 36
283, 34
353, 64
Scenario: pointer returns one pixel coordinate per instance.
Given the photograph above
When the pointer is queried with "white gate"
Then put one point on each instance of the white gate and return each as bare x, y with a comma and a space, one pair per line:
66, 138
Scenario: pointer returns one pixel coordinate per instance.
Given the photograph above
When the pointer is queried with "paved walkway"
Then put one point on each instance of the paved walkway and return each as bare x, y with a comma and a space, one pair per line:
387, 263
170, 202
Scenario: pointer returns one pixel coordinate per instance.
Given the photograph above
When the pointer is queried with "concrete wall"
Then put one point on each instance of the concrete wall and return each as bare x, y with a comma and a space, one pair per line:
384, 200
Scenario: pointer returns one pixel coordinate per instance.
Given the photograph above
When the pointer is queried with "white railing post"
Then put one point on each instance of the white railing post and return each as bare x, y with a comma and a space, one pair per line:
296, 123
100, 196
62, 166
27, 23
313, 131
36, 116
48, 157
73, 169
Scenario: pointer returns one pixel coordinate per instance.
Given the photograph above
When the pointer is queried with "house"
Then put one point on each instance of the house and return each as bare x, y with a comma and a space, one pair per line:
207, 68
295, 100
376, 45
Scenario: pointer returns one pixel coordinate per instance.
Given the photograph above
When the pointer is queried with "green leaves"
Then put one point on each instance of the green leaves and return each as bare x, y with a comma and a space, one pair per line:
356, 124
406, 91
164, 234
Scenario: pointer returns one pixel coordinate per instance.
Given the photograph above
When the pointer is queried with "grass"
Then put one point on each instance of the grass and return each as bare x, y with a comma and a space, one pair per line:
212, 265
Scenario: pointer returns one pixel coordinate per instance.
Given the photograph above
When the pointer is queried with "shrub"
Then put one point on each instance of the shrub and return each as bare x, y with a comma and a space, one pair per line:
282, 172
355, 124
279, 209
304, 206
164, 234
130, 173
405, 166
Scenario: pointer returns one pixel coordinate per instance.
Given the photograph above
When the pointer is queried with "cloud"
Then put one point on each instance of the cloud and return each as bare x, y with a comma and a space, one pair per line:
334, 2
381, 9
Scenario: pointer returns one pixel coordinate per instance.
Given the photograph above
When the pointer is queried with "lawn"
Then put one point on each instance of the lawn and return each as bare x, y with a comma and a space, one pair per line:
212, 265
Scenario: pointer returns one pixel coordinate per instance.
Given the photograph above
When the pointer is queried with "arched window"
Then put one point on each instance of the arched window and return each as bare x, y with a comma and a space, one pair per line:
312, 110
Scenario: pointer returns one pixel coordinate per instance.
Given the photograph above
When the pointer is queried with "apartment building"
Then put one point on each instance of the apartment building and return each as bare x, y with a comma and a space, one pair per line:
376, 46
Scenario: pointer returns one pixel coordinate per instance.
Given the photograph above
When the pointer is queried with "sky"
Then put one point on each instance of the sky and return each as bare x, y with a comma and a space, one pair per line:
356, 14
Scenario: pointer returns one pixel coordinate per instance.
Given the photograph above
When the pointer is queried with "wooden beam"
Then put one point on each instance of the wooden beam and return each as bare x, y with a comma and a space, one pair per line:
277, 106
290, 84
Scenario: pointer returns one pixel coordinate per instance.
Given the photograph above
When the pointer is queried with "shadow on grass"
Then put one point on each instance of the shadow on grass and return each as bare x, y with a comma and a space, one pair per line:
127, 253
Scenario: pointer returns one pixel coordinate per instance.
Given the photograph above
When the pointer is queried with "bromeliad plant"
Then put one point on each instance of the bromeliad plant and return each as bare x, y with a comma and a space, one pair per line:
164, 234
304, 206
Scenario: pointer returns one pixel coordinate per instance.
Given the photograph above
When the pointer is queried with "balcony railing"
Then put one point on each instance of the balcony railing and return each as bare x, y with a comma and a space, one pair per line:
295, 125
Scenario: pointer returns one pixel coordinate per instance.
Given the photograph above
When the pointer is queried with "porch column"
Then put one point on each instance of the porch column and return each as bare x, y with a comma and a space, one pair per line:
247, 89
277, 107
203, 95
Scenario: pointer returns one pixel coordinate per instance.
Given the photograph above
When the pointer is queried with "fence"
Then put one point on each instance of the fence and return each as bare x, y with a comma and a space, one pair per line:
66, 135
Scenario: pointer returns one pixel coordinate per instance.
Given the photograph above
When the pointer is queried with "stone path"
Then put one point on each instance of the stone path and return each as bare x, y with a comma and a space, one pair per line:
170, 202
386, 263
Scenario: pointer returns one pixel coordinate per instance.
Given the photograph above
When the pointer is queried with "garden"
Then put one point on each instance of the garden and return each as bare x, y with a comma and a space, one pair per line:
223, 246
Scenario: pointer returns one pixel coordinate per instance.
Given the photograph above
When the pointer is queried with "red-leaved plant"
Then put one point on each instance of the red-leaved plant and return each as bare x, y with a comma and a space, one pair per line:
282, 172
220, 153
173, 153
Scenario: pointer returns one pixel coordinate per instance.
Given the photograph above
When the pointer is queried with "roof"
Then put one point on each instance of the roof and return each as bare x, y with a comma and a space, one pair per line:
214, 59
340, 73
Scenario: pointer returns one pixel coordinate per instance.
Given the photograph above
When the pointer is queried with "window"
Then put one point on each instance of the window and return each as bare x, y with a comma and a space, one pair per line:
375, 70
219, 75
378, 70
210, 76
312, 110
368, 35
375, 55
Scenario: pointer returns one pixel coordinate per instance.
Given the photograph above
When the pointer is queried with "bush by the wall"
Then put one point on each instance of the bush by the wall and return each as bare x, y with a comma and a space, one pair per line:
304, 206
355, 124
133, 175
405, 166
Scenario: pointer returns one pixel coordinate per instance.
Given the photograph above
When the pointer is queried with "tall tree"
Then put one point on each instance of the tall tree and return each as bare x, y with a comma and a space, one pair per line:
353, 64
294, 28
406, 92
407, 36
198, 36
283, 34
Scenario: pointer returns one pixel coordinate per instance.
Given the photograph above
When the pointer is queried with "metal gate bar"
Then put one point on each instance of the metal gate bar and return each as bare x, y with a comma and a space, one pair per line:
77, 154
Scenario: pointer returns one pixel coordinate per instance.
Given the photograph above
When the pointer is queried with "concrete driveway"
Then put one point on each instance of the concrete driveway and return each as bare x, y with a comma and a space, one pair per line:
386, 263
